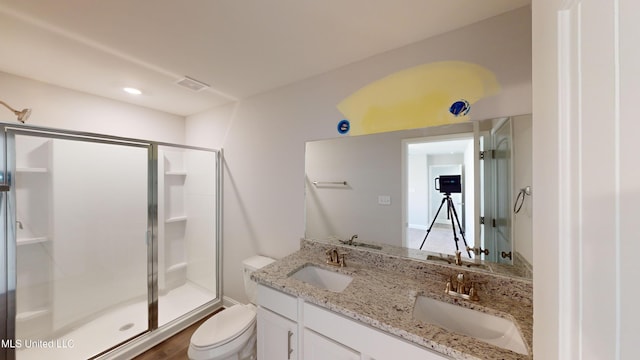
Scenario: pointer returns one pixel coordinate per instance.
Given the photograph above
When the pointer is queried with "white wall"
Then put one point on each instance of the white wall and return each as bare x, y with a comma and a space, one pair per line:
418, 190
61, 108
629, 177
264, 145
586, 179
209, 129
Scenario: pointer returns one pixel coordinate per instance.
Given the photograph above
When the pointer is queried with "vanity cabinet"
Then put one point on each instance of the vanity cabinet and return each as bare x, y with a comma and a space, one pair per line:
318, 347
323, 334
277, 336
277, 325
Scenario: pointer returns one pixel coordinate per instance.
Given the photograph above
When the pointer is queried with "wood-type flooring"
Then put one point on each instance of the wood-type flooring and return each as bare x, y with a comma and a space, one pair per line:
174, 348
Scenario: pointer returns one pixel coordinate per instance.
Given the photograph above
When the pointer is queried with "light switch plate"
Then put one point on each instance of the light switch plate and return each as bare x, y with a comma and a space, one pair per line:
384, 200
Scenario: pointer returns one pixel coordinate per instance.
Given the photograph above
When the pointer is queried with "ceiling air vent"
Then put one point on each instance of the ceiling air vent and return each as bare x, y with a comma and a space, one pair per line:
192, 84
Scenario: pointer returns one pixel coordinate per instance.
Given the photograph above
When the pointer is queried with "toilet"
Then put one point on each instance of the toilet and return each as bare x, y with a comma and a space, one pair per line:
231, 333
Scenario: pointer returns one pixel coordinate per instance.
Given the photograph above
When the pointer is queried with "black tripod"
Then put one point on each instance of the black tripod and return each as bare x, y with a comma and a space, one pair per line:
451, 214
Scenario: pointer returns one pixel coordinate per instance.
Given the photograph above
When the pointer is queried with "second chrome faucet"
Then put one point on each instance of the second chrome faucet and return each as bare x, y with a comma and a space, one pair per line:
352, 242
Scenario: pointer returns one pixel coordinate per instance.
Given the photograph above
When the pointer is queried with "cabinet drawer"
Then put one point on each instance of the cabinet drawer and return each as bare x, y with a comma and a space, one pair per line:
280, 303
369, 341
318, 347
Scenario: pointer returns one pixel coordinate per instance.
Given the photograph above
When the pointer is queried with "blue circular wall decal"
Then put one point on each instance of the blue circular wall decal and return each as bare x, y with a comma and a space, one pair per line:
460, 108
344, 126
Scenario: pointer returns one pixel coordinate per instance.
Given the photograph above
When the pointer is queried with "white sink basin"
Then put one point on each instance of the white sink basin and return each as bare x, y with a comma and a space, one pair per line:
322, 278
484, 327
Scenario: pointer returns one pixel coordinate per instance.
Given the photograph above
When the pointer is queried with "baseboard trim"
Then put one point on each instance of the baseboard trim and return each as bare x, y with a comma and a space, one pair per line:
228, 302
417, 227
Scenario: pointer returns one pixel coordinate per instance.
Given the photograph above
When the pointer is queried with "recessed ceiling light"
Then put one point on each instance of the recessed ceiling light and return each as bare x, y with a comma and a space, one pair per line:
132, 91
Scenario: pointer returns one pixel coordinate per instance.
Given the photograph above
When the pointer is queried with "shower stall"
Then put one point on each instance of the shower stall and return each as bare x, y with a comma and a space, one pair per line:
108, 245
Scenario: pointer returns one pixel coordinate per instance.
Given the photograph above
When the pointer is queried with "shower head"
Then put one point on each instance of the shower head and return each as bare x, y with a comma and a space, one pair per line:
22, 115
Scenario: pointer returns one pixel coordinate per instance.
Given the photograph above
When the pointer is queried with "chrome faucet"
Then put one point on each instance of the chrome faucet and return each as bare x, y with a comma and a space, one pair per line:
353, 242
350, 241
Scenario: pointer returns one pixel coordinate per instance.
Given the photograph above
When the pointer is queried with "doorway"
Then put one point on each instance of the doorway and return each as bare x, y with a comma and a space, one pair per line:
426, 160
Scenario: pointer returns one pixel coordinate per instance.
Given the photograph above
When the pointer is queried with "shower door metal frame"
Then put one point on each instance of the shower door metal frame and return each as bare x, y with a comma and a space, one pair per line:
8, 249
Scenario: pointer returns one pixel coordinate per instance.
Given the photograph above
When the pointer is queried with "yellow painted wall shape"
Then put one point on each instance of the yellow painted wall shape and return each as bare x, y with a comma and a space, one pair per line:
418, 97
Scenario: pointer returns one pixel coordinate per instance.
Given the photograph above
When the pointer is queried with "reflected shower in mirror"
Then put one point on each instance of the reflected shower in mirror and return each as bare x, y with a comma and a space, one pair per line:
384, 188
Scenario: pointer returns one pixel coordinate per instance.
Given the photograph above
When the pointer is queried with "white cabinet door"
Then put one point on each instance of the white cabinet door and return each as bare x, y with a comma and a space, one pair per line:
318, 347
277, 337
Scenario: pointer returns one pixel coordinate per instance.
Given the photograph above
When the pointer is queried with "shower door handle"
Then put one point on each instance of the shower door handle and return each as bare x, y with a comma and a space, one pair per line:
5, 188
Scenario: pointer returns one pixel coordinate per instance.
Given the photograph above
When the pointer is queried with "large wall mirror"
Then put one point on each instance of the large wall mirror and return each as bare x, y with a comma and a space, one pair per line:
391, 190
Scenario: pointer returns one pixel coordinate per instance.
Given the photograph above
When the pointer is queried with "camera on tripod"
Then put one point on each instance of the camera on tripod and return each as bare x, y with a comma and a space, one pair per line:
449, 184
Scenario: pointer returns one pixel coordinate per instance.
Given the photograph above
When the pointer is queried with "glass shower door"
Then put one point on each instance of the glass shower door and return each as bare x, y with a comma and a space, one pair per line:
502, 191
187, 230
82, 234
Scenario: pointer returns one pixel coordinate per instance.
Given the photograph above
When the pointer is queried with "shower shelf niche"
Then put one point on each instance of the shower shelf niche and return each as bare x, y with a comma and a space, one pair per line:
32, 170
30, 315
33, 184
33, 321
31, 240
172, 258
175, 219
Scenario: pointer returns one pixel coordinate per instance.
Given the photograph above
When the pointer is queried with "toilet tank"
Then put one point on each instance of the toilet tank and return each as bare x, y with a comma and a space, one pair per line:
249, 266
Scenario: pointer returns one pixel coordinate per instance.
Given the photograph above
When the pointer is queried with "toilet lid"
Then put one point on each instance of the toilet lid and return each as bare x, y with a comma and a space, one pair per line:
224, 326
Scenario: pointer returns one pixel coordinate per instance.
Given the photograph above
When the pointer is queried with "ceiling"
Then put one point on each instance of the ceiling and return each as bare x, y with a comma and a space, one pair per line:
238, 47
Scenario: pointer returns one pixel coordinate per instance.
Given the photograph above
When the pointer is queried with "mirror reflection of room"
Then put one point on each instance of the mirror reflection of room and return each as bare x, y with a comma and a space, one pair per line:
347, 178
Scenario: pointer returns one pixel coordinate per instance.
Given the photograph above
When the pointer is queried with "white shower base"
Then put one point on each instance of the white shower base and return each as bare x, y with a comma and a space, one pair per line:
114, 327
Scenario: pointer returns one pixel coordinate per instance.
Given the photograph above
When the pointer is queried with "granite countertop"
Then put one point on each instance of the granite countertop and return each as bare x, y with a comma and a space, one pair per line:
384, 289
